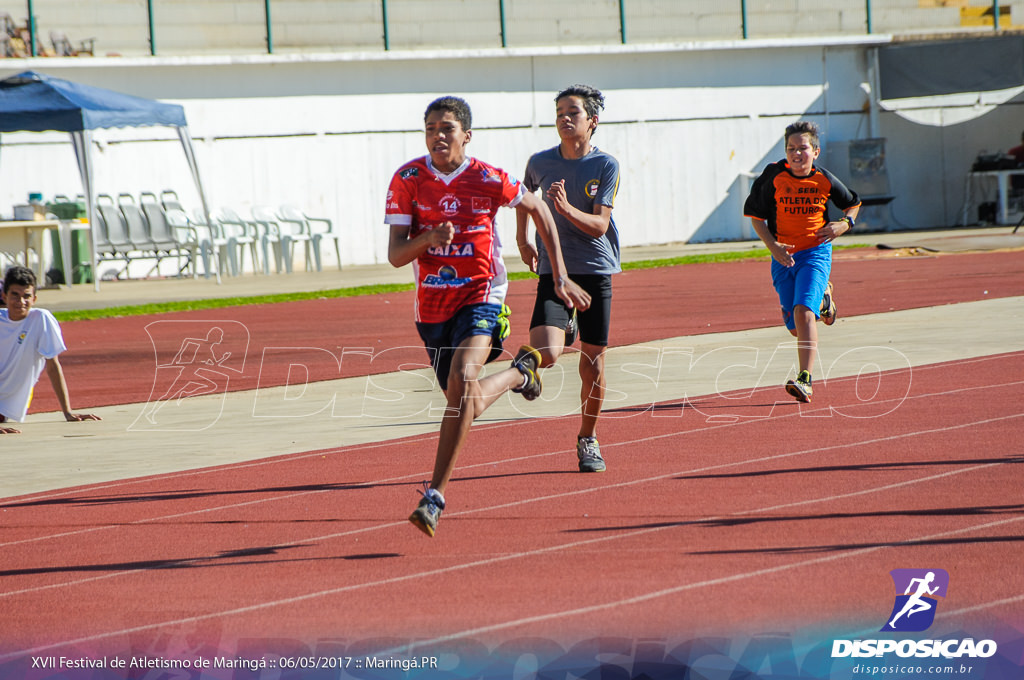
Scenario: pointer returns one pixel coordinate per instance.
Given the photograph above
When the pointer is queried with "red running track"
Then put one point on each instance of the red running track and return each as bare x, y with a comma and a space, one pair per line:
702, 525
112, 361
732, 515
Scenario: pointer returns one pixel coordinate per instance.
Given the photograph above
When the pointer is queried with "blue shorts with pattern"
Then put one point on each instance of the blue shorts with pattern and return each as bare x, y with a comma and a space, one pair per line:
804, 283
442, 339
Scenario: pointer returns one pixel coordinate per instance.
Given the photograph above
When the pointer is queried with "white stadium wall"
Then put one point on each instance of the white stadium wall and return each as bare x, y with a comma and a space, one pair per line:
689, 123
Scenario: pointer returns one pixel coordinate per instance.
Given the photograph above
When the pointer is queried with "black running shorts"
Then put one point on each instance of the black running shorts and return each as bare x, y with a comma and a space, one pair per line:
594, 323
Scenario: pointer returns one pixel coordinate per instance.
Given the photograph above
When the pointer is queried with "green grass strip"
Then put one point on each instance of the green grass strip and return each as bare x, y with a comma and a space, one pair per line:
729, 256
218, 303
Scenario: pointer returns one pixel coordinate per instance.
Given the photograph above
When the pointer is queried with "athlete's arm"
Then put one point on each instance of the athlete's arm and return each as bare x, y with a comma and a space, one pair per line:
567, 290
402, 250
527, 251
56, 375
780, 251
7, 430
833, 230
593, 224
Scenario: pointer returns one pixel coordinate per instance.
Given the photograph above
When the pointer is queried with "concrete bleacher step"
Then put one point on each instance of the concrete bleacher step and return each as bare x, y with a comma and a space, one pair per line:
980, 16
184, 27
944, 3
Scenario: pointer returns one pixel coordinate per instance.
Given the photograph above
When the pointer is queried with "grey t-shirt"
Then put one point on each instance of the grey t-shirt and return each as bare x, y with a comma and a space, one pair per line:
593, 179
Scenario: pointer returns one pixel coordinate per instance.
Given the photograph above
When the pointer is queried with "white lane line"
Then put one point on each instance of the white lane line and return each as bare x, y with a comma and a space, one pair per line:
573, 545
565, 494
637, 599
412, 439
420, 475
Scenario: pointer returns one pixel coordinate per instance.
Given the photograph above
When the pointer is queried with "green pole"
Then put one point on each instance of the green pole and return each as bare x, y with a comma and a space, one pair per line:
501, 16
995, 14
152, 28
270, 31
384, 13
31, 30
867, 10
622, 20
743, 17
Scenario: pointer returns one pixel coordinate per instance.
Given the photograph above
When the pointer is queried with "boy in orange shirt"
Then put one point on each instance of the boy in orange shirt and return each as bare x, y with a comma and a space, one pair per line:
787, 207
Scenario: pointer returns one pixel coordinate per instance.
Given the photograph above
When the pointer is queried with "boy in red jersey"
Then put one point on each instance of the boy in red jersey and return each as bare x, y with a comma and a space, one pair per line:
787, 207
441, 209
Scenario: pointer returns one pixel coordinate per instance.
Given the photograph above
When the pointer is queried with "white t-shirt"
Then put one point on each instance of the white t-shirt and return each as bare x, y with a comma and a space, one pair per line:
24, 348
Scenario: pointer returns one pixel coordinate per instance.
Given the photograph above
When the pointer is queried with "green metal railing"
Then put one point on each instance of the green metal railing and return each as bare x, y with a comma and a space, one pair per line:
34, 47
31, 30
152, 27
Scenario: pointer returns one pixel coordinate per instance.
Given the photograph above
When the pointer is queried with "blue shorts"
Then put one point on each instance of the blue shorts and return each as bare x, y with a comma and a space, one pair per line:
804, 283
441, 339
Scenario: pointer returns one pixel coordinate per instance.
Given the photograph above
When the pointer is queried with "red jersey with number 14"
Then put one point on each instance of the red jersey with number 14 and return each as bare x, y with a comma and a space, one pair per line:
469, 270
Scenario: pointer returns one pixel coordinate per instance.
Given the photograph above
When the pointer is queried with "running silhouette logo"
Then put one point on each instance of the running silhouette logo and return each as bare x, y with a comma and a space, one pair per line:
195, 363
916, 603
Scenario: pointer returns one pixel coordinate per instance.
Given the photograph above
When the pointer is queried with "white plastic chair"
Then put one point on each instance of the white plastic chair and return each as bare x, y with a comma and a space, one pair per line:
115, 243
283, 234
240, 233
163, 235
170, 201
139, 231
105, 250
269, 235
189, 240
214, 243
319, 229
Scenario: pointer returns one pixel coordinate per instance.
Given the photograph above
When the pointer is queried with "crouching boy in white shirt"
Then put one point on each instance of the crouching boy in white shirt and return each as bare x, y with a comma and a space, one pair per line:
30, 340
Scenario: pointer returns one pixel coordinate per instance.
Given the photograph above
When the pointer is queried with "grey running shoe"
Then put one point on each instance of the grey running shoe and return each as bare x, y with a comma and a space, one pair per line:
589, 453
828, 307
427, 513
527, 360
572, 329
801, 387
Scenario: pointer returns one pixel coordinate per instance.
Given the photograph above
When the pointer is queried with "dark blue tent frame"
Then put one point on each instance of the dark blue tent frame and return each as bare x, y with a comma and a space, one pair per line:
33, 102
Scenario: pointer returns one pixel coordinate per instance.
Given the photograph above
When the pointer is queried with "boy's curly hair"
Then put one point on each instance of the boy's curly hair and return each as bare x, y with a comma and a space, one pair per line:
593, 100
17, 275
803, 127
457, 106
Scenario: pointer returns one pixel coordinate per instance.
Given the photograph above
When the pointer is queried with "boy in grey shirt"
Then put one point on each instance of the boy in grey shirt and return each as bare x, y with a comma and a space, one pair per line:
578, 182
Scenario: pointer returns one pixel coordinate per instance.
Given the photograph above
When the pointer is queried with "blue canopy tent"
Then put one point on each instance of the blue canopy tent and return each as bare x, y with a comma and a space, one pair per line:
34, 102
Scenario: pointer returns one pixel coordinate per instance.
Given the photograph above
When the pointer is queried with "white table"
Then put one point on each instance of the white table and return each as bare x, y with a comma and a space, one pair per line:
1002, 178
17, 236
